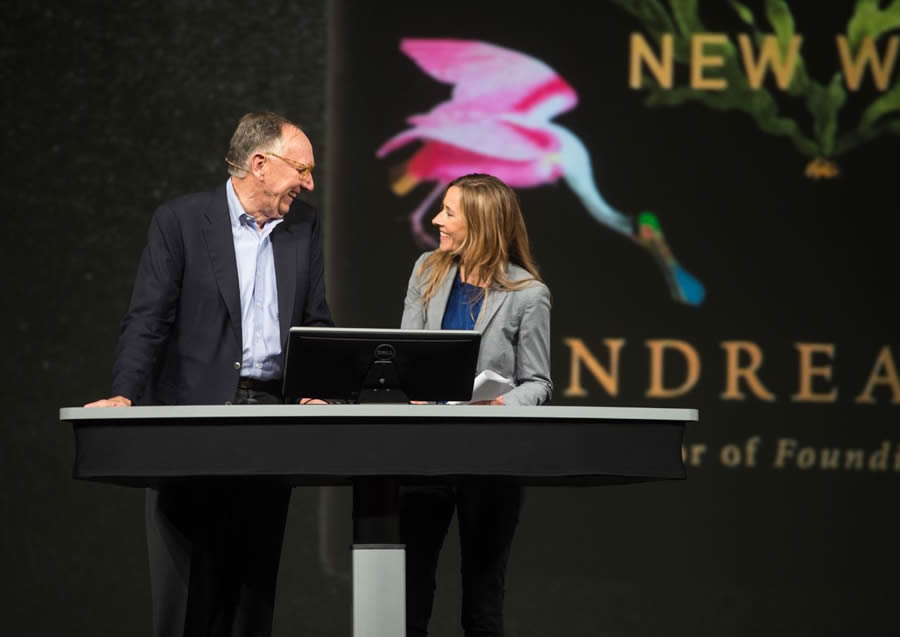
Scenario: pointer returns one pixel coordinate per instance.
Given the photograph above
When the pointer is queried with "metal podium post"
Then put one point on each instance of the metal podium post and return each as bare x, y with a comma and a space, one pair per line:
379, 562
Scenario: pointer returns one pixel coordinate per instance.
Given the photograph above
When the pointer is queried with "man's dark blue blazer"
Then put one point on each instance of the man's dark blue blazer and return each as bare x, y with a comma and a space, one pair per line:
213, 547
181, 337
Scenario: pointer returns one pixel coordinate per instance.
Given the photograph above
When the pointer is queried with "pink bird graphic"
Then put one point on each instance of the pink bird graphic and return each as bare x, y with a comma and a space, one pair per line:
497, 121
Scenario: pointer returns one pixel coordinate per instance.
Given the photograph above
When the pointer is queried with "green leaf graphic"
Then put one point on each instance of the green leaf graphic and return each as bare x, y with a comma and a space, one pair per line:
887, 103
743, 12
823, 101
779, 14
870, 21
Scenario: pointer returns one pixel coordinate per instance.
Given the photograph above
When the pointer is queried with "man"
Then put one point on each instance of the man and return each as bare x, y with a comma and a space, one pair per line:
223, 277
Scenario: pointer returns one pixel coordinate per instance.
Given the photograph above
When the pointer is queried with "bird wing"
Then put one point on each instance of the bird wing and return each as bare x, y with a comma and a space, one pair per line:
490, 136
492, 78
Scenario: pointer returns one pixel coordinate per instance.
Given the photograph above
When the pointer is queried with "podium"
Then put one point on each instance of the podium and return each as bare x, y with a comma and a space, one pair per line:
375, 448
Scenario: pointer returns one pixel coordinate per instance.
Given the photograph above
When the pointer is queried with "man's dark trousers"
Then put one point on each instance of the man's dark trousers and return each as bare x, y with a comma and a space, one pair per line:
214, 547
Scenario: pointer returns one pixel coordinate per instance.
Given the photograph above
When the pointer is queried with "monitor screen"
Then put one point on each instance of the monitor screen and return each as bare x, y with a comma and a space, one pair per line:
380, 365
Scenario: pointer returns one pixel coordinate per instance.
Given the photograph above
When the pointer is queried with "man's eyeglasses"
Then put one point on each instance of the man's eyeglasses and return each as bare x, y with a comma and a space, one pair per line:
304, 170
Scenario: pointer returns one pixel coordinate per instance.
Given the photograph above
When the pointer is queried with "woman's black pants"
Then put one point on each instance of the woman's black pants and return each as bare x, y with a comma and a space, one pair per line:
488, 512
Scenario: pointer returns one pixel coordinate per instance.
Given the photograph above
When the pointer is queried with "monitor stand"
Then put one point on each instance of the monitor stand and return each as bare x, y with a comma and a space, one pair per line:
382, 385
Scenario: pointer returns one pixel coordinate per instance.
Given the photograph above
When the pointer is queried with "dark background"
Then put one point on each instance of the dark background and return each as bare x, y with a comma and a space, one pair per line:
113, 107
109, 109
733, 551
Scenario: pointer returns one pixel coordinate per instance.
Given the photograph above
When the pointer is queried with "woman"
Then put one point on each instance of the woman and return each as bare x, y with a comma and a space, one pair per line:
481, 277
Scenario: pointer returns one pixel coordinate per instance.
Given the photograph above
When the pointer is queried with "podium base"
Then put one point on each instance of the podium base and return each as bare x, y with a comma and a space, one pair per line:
379, 592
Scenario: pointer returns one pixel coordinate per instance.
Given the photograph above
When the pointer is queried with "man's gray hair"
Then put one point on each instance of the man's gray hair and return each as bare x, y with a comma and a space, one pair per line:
254, 132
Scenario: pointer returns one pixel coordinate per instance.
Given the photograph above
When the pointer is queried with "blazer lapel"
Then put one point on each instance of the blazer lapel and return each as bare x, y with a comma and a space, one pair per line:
284, 247
495, 299
220, 243
438, 303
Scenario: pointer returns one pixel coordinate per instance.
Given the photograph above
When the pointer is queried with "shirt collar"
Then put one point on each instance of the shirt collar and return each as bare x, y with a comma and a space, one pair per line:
236, 209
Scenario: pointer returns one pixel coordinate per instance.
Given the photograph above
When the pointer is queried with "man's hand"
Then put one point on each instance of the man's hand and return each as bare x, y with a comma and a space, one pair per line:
115, 401
496, 401
312, 401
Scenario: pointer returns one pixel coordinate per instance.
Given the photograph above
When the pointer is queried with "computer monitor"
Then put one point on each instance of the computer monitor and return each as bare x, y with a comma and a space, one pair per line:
380, 365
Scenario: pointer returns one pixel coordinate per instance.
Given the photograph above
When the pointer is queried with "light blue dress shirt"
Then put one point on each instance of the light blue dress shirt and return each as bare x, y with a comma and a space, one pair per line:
259, 292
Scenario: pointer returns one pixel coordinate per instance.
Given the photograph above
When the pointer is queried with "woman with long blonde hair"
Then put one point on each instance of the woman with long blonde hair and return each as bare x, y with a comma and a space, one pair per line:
482, 277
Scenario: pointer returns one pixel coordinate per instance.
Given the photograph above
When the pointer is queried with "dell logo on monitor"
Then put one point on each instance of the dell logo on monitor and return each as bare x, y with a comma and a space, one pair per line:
385, 352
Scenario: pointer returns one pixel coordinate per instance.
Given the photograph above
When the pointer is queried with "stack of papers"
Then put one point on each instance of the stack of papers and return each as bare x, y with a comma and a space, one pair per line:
488, 386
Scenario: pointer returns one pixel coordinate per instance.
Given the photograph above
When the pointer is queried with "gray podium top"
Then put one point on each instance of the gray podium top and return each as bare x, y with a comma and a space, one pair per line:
332, 444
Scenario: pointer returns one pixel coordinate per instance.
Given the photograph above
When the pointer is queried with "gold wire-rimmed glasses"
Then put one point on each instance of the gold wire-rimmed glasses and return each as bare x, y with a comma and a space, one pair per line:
304, 169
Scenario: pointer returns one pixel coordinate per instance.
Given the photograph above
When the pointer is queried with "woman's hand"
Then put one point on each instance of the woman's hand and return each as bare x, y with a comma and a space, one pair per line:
312, 401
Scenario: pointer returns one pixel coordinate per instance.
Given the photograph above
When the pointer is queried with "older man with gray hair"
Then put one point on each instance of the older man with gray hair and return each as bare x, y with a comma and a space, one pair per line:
223, 277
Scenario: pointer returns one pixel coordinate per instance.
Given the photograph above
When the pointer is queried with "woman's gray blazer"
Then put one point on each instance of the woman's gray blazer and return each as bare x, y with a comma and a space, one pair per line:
514, 327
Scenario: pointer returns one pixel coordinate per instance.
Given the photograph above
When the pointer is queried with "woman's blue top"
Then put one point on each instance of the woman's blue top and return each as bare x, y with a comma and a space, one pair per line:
461, 312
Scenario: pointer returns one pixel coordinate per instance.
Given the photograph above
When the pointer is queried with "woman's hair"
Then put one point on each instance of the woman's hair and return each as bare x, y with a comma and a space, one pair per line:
495, 237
